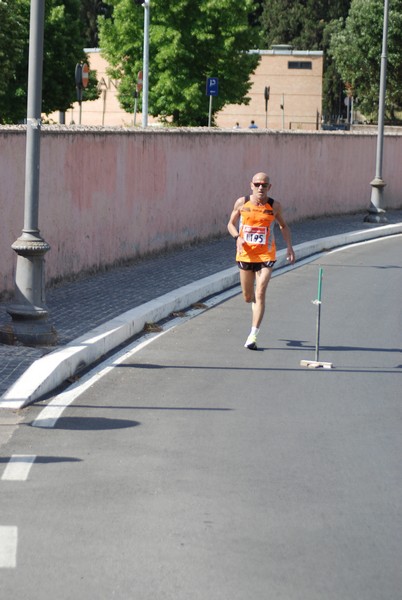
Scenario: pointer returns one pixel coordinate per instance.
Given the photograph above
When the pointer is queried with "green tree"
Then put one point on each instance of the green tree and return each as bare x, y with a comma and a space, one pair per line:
301, 23
356, 48
308, 25
90, 10
63, 48
254, 17
14, 18
189, 41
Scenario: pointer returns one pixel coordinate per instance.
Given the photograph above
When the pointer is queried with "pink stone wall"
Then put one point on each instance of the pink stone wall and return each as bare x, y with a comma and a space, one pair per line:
108, 195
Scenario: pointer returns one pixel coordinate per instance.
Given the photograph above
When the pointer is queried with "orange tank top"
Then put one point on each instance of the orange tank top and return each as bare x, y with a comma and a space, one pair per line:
257, 229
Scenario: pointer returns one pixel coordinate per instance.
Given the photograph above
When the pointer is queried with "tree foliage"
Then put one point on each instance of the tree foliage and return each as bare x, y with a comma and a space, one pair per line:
14, 18
357, 46
189, 41
63, 48
301, 23
254, 17
90, 10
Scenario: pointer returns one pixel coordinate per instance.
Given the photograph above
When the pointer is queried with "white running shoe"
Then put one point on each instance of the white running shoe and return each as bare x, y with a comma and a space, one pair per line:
251, 342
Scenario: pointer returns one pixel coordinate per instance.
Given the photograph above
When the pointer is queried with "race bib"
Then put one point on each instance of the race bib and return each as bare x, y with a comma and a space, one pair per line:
254, 235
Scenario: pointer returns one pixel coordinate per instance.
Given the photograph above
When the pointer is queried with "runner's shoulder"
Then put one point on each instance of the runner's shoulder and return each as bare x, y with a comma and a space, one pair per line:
276, 205
241, 201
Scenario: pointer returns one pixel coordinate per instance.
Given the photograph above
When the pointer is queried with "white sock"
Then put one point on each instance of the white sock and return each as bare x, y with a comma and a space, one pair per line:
254, 331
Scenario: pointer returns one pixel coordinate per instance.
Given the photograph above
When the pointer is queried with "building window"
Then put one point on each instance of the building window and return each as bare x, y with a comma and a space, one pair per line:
298, 64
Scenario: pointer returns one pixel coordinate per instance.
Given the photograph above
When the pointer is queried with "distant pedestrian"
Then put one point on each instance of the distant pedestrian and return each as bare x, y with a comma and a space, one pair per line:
251, 224
253, 125
237, 126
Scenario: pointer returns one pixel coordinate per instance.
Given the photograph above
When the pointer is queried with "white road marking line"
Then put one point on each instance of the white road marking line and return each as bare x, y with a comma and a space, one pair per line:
8, 547
18, 467
48, 417
363, 243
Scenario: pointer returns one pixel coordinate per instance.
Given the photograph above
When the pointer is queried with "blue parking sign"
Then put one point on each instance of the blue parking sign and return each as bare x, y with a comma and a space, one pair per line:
212, 86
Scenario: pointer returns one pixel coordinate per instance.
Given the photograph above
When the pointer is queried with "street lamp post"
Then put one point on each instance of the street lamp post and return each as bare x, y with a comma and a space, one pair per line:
376, 213
28, 312
145, 65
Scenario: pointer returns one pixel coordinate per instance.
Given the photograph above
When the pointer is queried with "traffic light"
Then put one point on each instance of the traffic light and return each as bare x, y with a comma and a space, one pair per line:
267, 91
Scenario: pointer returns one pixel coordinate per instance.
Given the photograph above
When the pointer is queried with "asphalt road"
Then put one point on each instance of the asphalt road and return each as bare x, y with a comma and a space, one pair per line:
199, 470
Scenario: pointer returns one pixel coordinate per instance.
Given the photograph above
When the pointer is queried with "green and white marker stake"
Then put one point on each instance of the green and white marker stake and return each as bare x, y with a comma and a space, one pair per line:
318, 303
314, 364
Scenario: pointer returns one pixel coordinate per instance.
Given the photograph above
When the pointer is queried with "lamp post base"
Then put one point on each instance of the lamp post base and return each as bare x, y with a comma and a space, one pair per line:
376, 217
29, 332
375, 213
29, 314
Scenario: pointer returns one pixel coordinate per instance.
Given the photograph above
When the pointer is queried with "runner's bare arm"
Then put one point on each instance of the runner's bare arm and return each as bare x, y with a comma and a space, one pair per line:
285, 231
234, 217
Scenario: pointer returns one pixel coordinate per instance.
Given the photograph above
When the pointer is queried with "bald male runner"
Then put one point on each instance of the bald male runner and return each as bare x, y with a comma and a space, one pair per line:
251, 224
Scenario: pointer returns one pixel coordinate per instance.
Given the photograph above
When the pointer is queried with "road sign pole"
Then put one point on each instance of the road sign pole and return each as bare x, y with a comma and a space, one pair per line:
138, 89
78, 85
135, 107
210, 112
212, 90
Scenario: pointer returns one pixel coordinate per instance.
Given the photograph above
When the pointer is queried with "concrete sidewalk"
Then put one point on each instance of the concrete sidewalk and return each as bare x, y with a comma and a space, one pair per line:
94, 315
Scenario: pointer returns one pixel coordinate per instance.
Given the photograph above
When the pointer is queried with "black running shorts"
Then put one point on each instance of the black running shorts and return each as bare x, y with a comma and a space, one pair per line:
256, 266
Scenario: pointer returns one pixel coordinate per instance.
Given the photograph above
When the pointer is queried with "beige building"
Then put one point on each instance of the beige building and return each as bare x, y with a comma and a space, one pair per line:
106, 109
293, 76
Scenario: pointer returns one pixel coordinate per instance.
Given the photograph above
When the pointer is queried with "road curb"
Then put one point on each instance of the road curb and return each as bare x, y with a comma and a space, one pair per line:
48, 372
